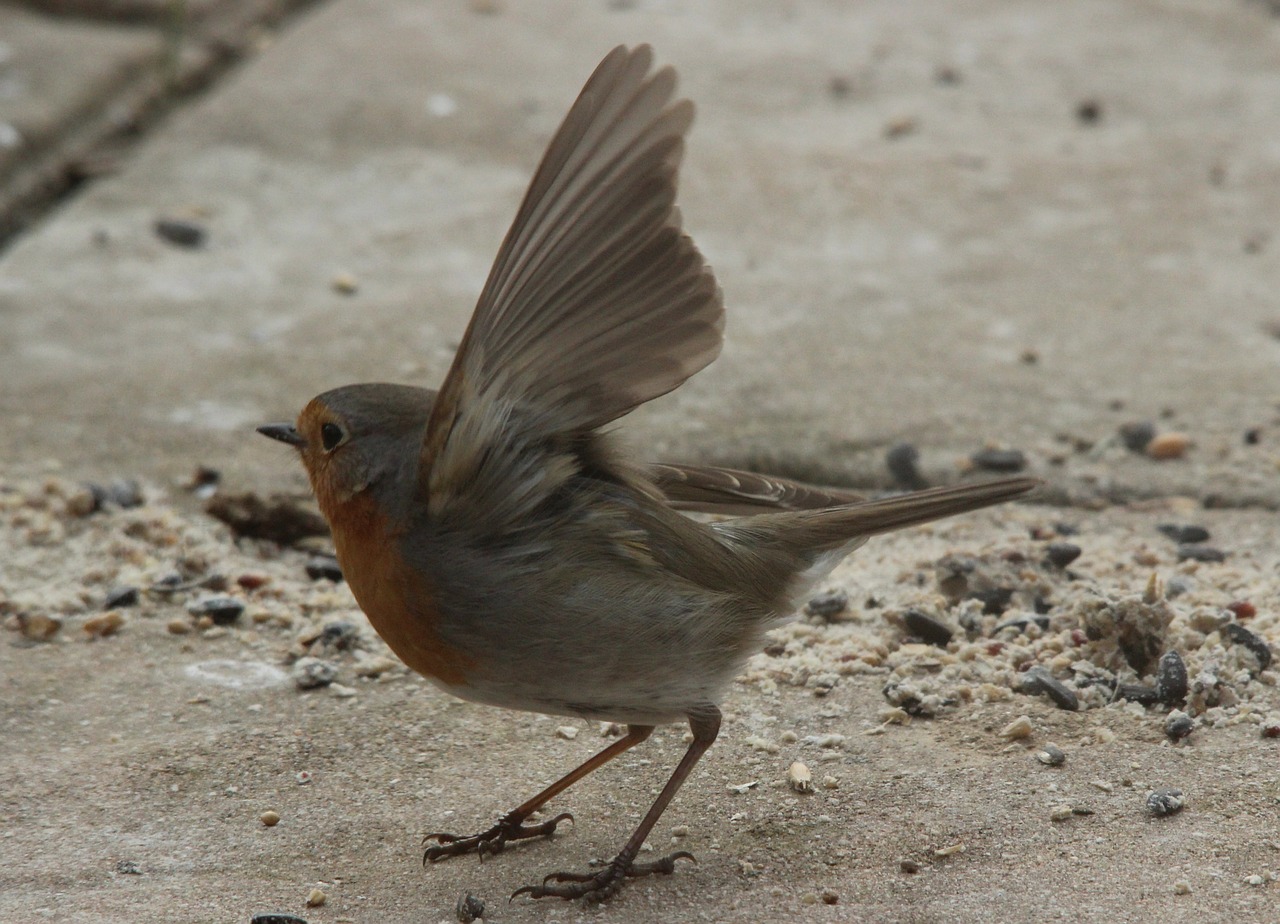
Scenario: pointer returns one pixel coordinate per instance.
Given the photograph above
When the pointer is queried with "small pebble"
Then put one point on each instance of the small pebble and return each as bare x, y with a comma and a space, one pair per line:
324, 567
1021, 623
104, 624
38, 627
374, 666
1205, 553
1182, 887
224, 611
953, 573
128, 868
831, 782
680, 831
567, 732
341, 691
310, 673
1171, 678
1242, 636
469, 908
1017, 729
1051, 756
316, 898
83, 501
1089, 112
928, 628
340, 635
203, 482
999, 460
253, 581
125, 493
829, 603
911, 867
949, 851
1162, 802
277, 917
829, 896
1256, 880
1137, 435
901, 461
1039, 680
994, 600
121, 597
829, 740
180, 232
947, 75
170, 583
1184, 534
763, 744
269, 818
345, 284
178, 627
1169, 445
1060, 813
799, 778
1242, 609
1061, 554
1177, 725
302, 777
1137, 693
903, 125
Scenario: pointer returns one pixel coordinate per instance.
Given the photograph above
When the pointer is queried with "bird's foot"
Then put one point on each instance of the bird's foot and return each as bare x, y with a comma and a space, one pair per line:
603, 884
510, 827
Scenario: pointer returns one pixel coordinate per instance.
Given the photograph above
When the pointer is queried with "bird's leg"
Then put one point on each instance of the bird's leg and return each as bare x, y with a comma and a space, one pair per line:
511, 826
705, 723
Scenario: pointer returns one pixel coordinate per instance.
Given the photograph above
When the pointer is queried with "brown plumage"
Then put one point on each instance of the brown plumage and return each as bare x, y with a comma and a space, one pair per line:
501, 543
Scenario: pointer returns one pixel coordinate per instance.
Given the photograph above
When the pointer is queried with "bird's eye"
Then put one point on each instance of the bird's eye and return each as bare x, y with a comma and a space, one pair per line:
330, 436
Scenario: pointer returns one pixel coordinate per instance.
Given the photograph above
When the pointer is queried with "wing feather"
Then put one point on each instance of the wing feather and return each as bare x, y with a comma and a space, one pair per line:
597, 301
708, 489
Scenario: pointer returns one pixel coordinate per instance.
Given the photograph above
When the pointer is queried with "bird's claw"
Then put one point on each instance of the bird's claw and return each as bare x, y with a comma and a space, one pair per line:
604, 884
510, 827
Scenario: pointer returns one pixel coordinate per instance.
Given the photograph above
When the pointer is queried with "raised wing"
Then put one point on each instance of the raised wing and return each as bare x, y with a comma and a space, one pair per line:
597, 301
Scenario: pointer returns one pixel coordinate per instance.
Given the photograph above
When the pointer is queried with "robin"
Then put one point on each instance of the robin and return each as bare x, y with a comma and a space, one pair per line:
504, 546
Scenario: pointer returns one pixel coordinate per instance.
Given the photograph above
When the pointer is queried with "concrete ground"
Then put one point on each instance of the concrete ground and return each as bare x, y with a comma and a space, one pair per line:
1021, 224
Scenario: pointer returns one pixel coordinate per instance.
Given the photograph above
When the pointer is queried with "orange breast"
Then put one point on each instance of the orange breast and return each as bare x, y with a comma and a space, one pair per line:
398, 602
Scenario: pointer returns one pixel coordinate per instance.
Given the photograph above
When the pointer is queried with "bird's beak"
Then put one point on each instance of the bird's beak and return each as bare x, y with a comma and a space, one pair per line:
284, 432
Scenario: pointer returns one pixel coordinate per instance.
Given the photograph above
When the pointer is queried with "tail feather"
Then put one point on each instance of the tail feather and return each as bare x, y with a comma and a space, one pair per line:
833, 527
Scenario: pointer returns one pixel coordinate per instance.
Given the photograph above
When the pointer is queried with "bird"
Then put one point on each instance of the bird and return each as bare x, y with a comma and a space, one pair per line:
504, 543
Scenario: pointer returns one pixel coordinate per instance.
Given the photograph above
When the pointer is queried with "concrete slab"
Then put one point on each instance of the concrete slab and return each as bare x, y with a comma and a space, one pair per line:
137, 766
56, 73
130, 11
75, 91
904, 204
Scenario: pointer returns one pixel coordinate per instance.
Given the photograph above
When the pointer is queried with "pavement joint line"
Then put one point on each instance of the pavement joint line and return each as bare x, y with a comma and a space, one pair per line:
94, 142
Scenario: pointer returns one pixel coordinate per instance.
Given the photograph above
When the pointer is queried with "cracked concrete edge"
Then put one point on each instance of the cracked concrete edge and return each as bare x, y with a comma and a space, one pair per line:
89, 138
123, 11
